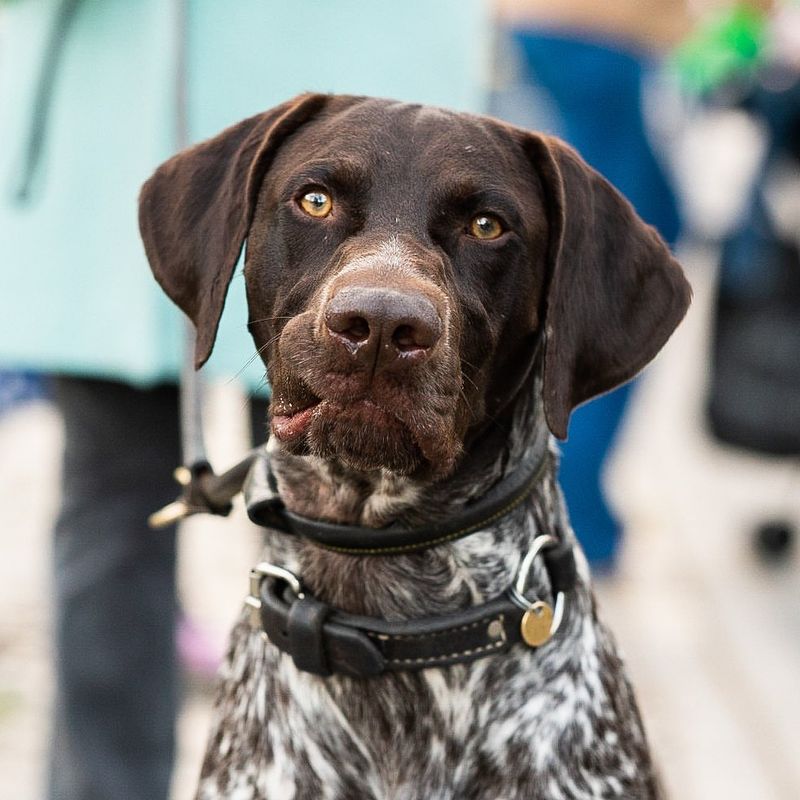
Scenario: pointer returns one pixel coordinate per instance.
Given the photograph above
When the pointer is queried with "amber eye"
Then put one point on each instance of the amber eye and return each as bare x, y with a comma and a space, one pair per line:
486, 227
316, 203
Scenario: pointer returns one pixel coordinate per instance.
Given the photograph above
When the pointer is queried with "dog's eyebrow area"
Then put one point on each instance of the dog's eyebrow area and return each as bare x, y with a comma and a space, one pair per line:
346, 175
488, 196
469, 197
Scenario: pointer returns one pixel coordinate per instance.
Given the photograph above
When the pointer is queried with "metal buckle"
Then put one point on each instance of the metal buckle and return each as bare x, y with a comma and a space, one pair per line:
540, 622
266, 570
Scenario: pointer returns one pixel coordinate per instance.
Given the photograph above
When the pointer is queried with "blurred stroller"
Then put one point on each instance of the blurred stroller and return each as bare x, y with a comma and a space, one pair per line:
754, 394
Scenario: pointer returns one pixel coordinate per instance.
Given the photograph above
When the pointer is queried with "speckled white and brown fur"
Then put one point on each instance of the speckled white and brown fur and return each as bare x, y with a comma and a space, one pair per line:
555, 723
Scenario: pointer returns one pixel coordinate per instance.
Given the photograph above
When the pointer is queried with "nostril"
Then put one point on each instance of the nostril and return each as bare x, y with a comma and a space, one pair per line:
407, 338
403, 338
351, 327
357, 331
420, 330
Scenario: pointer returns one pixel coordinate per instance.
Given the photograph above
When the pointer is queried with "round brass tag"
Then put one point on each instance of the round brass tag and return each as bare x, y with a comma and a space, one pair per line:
536, 624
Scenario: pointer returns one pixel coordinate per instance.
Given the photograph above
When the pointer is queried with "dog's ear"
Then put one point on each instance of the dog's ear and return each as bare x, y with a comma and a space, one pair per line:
195, 211
614, 294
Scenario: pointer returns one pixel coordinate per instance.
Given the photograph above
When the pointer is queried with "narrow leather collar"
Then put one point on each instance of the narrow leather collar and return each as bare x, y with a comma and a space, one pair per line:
265, 508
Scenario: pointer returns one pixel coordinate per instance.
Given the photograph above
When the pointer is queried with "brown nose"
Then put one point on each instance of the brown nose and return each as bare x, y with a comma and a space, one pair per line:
383, 327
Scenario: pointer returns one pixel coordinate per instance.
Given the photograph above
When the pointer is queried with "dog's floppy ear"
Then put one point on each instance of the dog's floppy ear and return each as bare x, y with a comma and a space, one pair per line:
195, 211
614, 293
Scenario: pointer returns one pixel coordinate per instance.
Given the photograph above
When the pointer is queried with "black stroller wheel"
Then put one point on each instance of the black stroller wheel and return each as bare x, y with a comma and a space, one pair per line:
774, 541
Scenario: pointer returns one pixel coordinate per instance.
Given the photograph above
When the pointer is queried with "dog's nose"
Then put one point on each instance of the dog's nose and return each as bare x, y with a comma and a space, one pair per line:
383, 326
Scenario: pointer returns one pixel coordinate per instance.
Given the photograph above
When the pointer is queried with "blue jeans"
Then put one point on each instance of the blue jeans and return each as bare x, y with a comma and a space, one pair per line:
595, 89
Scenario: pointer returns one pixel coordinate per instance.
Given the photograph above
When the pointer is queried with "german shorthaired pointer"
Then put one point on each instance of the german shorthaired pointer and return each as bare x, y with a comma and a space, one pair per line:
432, 293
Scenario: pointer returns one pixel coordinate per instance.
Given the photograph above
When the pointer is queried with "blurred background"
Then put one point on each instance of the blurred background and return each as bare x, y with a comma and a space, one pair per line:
684, 487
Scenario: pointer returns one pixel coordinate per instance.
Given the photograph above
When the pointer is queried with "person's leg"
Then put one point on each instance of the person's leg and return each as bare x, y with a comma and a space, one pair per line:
596, 87
591, 433
114, 587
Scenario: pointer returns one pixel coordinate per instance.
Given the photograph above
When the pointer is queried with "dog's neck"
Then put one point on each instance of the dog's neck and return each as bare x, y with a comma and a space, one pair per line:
321, 489
434, 581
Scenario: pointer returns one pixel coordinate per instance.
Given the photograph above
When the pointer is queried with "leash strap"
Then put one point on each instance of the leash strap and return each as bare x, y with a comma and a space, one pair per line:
323, 640
192, 385
203, 491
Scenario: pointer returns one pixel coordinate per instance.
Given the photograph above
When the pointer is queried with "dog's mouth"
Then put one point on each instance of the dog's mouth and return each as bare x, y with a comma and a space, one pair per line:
289, 425
362, 435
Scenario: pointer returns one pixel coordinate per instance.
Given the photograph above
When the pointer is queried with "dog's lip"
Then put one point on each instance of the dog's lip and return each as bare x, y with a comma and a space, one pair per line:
288, 424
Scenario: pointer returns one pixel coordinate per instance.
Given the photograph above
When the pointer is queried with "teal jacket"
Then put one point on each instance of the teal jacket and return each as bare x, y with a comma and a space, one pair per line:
76, 294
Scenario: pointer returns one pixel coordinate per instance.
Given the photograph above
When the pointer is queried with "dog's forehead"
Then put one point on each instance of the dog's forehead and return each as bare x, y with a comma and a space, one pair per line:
390, 137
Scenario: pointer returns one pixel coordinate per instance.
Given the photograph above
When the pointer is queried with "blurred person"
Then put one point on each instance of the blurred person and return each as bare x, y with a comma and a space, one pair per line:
748, 57
18, 387
755, 388
87, 110
586, 64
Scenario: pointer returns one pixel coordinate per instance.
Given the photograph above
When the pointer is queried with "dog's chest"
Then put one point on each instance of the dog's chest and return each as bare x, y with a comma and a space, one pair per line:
556, 722
525, 725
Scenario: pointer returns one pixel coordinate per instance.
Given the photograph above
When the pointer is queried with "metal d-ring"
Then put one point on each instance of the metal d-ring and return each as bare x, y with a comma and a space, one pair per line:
266, 570
530, 606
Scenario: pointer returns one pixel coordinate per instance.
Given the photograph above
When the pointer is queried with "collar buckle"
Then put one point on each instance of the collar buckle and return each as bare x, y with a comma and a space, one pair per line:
259, 572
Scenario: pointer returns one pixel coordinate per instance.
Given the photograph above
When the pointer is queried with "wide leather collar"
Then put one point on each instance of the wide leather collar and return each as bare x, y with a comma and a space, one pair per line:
324, 640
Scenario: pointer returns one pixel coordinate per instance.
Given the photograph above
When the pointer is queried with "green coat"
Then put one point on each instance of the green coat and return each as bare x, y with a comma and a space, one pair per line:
76, 294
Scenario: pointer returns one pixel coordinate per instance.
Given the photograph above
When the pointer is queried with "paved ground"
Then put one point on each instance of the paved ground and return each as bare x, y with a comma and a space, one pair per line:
712, 637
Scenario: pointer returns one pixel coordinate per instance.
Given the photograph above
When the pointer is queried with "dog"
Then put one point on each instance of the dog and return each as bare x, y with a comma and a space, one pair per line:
432, 294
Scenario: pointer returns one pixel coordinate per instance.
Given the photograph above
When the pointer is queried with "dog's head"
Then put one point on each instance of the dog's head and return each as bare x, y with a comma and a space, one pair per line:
403, 264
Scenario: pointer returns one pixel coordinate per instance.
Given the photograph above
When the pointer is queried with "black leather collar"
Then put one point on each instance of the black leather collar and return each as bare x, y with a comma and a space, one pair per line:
323, 640
265, 508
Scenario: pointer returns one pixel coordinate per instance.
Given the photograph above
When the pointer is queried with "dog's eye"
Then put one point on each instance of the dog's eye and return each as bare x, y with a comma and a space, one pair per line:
486, 227
316, 203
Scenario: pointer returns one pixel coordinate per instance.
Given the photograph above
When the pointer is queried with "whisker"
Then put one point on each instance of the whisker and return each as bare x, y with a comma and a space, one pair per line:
466, 377
466, 363
264, 381
250, 360
463, 396
270, 319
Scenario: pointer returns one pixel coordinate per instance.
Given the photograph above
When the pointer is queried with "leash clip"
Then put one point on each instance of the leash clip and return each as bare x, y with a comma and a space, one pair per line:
540, 622
203, 492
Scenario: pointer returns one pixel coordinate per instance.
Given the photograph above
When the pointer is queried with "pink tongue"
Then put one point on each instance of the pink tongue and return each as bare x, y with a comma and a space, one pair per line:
292, 426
